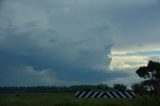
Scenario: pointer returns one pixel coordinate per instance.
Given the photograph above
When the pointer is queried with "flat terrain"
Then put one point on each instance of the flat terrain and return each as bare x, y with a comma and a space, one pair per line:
68, 99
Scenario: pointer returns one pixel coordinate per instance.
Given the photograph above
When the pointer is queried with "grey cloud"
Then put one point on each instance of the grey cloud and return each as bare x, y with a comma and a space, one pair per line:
138, 25
20, 75
27, 76
91, 76
140, 53
82, 41
52, 41
158, 1
1, 1
128, 80
71, 38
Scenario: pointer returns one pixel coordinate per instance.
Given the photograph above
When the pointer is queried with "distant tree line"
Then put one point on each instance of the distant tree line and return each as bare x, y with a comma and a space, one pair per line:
54, 89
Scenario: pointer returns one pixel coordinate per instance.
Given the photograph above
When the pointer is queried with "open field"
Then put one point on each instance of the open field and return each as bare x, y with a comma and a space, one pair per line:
68, 99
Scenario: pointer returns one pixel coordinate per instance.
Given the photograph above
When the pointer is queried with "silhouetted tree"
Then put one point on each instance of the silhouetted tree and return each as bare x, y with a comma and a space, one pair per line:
139, 89
151, 74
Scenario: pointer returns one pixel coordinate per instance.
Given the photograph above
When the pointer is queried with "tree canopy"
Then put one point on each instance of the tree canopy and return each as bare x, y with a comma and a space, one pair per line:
151, 71
151, 74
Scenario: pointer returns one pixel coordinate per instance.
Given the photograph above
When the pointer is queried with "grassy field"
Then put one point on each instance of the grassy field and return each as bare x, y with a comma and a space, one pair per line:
68, 99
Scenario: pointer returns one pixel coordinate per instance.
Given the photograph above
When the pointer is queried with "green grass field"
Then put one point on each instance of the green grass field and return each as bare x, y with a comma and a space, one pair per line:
68, 99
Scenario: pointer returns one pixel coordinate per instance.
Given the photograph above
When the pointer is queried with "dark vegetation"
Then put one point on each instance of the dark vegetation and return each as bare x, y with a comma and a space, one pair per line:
68, 99
55, 89
151, 76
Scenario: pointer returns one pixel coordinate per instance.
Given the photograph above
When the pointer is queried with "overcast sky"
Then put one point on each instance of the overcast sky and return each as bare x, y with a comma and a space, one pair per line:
67, 42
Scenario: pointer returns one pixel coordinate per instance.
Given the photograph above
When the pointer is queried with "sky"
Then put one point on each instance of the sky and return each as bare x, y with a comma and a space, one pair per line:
75, 42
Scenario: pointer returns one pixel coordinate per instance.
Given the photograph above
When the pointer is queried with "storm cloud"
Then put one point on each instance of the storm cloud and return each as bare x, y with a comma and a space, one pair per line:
43, 36
69, 41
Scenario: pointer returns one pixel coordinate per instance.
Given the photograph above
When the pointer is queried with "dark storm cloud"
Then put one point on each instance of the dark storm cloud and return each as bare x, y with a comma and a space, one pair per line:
91, 76
41, 41
82, 41
63, 40
1, 1
158, 1
21, 75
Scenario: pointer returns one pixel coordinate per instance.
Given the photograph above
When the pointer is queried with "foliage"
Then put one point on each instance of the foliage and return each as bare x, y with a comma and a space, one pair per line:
139, 89
151, 74
120, 87
151, 71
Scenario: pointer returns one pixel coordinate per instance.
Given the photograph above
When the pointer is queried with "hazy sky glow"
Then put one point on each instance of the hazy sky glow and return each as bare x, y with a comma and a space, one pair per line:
66, 42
